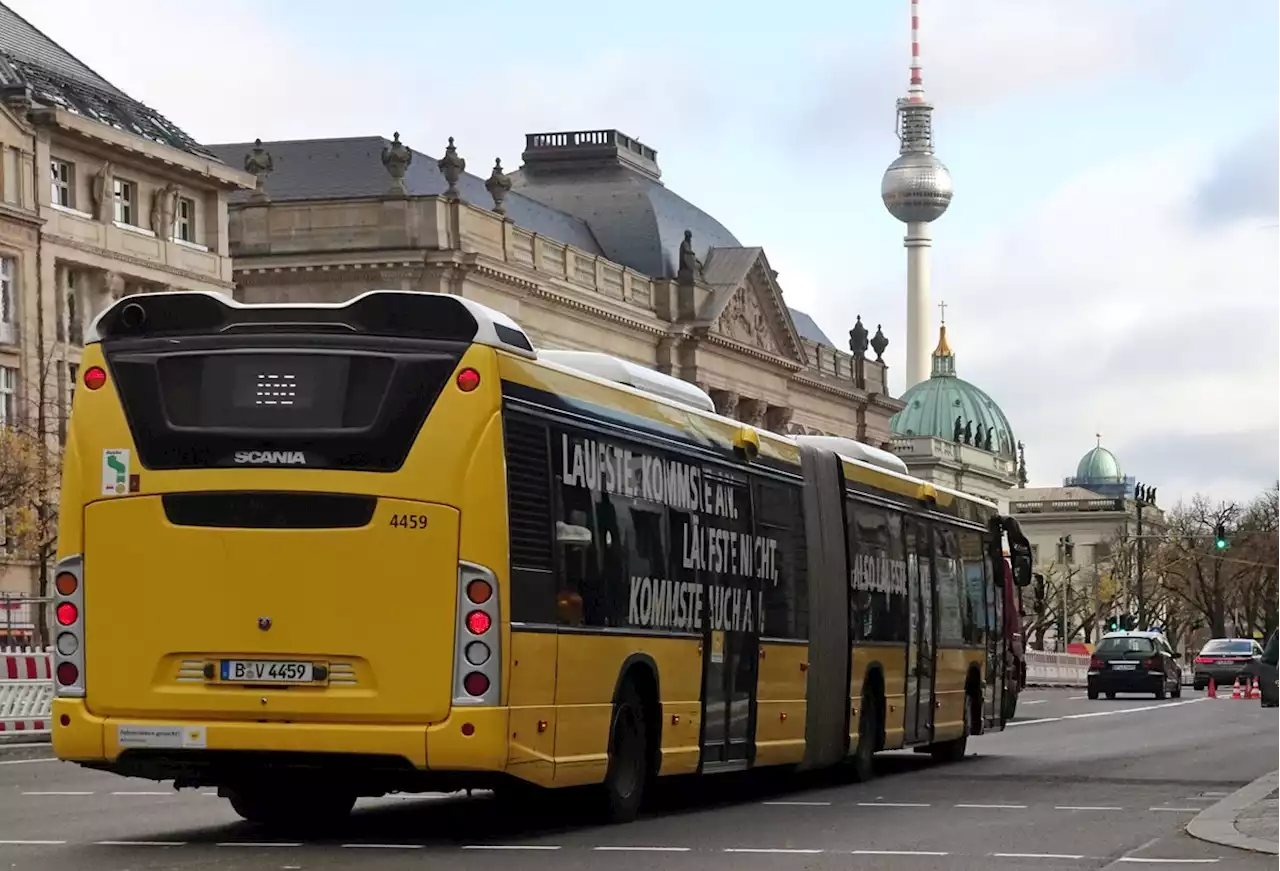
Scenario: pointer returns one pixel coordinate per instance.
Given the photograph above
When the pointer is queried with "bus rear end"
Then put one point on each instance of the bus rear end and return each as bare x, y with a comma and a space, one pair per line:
281, 528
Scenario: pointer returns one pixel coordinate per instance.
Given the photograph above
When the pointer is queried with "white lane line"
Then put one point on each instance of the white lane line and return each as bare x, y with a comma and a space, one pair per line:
382, 846
31, 843
1109, 713
1035, 702
783, 850
257, 844
56, 792
1152, 861
896, 853
996, 807
1071, 807
510, 847
140, 843
891, 804
1036, 856
27, 761
1177, 810
1076, 698
1208, 794
797, 803
143, 793
641, 849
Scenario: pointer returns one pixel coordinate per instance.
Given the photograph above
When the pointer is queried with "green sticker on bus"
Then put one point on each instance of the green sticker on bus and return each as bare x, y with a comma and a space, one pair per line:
115, 472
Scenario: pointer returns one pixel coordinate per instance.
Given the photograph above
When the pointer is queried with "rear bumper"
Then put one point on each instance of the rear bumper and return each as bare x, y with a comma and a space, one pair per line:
115, 743
1136, 681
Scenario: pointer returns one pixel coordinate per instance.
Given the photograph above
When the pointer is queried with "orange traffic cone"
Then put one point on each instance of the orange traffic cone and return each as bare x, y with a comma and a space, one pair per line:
1235, 690
1213, 689
1255, 691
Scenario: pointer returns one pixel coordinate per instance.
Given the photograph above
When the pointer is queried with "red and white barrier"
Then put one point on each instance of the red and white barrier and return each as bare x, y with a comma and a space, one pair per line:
1056, 669
26, 692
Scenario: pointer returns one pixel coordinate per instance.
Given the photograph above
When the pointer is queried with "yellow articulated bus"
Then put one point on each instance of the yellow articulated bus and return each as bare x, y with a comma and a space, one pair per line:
315, 552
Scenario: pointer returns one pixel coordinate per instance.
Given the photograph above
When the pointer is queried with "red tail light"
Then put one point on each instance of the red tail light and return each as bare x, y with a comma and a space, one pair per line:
94, 377
1203, 659
67, 673
478, 623
1095, 662
479, 592
468, 380
476, 684
1150, 663
67, 613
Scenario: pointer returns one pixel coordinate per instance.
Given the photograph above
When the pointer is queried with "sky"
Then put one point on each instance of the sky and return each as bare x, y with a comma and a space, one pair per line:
1109, 262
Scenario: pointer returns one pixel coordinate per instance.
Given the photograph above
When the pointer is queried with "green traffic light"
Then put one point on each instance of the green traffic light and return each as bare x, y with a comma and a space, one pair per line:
1220, 544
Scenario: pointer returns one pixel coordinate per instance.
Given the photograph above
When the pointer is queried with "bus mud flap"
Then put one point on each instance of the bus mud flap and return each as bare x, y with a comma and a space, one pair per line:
826, 725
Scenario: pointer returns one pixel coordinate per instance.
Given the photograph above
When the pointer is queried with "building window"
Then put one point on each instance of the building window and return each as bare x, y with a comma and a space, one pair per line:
10, 180
8, 276
8, 396
62, 183
126, 201
184, 221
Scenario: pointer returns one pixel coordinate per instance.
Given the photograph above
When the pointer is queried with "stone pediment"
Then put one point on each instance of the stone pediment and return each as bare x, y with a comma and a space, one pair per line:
746, 306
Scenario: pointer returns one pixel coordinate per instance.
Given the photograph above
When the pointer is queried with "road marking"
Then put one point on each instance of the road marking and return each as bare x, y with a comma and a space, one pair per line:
1208, 794
797, 803
1073, 699
255, 844
1036, 856
382, 846
1035, 702
56, 792
996, 807
641, 849
166, 794
771, 850
140, 843
1110, 713
1177, 810
510, 847
1146, 861
891, 804
896, 853
1068, 807
27, 761
31, 843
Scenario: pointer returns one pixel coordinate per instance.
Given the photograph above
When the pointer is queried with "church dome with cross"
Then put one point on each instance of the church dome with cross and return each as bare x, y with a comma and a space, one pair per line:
950, 408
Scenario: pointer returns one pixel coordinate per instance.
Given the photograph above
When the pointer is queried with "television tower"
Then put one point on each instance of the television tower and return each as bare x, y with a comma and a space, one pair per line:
916, 190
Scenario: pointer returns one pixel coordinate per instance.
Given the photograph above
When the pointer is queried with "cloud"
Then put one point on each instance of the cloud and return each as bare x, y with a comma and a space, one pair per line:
982, 53
1234, 465
1245, 183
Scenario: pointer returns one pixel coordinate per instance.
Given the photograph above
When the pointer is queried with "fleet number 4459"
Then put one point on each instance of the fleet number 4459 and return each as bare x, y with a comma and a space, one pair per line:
409, 521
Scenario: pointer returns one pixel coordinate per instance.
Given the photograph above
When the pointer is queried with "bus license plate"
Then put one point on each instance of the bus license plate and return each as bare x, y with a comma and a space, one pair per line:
267, 671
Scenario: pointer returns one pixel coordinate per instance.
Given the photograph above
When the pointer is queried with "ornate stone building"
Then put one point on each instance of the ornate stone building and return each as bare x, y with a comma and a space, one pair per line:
99, 196
584, 246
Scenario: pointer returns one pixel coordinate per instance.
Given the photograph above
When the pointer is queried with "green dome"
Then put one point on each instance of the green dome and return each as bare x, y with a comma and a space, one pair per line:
934, 405
1099, 466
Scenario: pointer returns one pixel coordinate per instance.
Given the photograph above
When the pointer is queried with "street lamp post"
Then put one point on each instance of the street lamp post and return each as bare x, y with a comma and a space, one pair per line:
1067, 548
1143, 496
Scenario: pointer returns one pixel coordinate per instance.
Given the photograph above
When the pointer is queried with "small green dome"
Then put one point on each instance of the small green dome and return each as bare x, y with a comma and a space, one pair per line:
1099, 466
934, 405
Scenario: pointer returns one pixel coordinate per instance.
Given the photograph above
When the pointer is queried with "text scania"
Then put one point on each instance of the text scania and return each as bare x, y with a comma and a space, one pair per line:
271, 458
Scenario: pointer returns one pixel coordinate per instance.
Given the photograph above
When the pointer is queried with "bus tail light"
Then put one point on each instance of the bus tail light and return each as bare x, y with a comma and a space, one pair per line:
468, 380
68, 612
477, 668
95, 377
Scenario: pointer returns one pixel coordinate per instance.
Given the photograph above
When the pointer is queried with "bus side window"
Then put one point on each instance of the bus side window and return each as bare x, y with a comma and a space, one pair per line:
977, 615
878, 574
780, 517
529, 501
952, 603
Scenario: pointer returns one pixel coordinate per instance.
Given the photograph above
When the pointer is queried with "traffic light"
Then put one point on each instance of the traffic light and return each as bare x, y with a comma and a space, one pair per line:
1220, 536
1114, 624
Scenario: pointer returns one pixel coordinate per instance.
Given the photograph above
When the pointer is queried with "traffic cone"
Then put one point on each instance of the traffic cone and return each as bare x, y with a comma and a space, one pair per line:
1235, 690
1255, 692
1213, 689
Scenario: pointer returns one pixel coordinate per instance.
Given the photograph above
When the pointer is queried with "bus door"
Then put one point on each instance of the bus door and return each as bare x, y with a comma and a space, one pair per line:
997, 645
728, 697
920, 643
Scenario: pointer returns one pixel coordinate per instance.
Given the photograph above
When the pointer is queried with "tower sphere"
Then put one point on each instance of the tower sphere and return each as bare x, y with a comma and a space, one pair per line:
916, 188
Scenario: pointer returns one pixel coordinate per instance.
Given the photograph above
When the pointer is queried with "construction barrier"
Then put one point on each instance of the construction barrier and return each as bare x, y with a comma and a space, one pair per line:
26, 693
1056, 669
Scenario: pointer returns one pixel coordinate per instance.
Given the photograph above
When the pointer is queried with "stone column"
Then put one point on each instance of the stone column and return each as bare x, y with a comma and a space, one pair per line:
726, 402
751, 411
778, 418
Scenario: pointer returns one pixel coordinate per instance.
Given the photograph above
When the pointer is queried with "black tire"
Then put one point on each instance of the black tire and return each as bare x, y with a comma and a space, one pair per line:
862, 764
292, 808
1091, 693
1177, 690
954, 750
1162, 693
1008, 706
628, 772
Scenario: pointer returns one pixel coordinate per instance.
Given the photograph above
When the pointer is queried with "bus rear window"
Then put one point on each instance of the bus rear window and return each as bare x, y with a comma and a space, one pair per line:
339, 402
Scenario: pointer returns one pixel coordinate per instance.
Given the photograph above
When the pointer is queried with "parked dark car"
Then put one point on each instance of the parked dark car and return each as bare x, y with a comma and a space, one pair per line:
1267, 674
1134, 662
1224, 660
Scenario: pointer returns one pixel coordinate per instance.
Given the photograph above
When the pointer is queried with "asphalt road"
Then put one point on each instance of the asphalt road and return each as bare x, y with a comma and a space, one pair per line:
1072, 785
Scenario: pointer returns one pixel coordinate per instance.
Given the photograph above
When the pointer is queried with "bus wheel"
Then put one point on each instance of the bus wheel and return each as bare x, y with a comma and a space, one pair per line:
863, 763
628, 772
312, 808
1009, 706
954, 750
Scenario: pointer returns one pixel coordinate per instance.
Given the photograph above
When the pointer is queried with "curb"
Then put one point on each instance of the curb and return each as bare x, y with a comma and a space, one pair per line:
30, 750
1217, 823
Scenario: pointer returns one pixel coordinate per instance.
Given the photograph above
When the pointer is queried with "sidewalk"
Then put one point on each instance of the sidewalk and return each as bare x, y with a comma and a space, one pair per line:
1248, 819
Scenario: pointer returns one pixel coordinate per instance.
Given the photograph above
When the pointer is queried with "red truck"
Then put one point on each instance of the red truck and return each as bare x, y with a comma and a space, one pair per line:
1015, 663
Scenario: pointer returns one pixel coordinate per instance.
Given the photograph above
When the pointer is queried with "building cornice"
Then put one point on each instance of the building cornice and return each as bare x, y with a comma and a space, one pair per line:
108, 254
